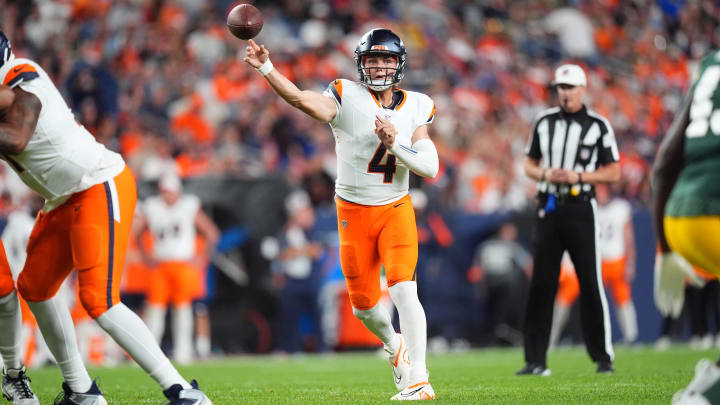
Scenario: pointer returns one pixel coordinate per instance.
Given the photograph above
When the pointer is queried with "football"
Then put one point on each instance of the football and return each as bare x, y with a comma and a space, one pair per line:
245, 21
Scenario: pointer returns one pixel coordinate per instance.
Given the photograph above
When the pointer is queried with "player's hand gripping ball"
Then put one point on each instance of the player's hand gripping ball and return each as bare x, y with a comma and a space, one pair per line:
245, 21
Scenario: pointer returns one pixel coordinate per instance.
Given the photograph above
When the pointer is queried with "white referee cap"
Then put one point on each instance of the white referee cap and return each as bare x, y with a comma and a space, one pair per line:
573, 75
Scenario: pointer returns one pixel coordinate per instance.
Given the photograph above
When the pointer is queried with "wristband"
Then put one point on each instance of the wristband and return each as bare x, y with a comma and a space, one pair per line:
266, 68
580, 177
542, 178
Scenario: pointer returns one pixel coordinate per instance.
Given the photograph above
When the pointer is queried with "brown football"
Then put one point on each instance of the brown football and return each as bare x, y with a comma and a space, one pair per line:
245, 21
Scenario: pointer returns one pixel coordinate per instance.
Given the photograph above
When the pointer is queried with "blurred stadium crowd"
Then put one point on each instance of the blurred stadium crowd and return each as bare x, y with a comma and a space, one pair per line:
163, 82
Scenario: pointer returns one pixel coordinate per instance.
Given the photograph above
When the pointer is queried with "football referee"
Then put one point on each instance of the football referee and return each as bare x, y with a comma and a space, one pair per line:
570, 150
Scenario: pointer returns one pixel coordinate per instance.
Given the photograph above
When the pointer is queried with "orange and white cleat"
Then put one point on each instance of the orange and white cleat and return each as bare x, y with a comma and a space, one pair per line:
415, 392
400, 362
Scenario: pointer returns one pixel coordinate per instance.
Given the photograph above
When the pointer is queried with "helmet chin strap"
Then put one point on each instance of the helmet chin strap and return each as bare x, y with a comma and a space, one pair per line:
378, 87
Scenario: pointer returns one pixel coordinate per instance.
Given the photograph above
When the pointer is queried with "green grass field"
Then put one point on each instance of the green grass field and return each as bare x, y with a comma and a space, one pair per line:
643, 376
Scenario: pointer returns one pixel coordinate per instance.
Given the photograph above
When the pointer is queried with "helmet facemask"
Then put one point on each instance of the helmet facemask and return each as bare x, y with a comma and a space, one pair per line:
393, 74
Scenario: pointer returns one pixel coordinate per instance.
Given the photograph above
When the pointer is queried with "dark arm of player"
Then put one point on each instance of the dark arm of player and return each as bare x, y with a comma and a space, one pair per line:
18, 122
668, 164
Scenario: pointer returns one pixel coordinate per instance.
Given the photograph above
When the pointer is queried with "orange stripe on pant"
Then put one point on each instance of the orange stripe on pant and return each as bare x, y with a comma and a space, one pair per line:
7, 285
371, 235
83, 234
173, 282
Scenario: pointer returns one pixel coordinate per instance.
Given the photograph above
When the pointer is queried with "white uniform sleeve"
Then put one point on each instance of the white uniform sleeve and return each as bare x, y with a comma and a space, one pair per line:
334, 90
421, 158
425, 111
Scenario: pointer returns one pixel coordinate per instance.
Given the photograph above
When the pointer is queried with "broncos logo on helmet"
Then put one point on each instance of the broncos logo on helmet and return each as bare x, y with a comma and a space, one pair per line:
5, 50
380, 41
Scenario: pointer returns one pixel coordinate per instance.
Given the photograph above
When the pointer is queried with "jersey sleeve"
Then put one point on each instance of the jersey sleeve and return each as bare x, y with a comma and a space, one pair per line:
426, 110
334, 90
607, 145
22, 73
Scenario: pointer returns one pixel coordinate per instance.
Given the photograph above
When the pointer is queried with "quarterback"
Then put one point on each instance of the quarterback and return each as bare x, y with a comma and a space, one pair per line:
686, 210
380, 135
90, 198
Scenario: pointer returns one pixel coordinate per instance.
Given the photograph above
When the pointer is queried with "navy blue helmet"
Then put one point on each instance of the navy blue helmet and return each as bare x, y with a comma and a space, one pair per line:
380, 41
5, 50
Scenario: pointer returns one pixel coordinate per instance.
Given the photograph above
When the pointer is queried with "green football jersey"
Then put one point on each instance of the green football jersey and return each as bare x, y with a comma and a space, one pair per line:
697, 191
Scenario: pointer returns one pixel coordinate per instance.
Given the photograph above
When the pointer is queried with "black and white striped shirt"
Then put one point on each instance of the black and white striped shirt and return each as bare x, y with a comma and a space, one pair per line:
581, 141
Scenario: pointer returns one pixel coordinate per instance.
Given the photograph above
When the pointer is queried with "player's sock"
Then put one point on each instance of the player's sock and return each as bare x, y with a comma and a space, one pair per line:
561, 312
53, 318
203, 346
130, 332
377, 320
627, 318
182, 333
155, 320
11, 322
413, 326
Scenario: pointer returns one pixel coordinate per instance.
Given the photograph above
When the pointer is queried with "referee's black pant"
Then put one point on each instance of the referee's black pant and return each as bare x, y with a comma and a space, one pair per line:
571, 226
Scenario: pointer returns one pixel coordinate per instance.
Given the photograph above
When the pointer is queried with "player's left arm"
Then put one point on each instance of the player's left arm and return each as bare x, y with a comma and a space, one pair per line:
667, 167
208, 229
422, 157
18, 122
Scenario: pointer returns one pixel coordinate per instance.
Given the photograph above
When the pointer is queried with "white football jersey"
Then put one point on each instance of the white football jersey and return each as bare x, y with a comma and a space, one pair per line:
62, 157
172, 227
366, 173
15, 237
612, 218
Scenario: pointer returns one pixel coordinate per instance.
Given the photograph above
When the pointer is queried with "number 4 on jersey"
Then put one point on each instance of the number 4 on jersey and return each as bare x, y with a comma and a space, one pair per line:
387, 169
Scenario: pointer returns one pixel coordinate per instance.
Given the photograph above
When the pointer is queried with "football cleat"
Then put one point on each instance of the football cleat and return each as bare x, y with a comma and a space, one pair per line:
186, 396
704, 387
415, 392
16, 387
605, 367
93, 396
534, 369
400, 362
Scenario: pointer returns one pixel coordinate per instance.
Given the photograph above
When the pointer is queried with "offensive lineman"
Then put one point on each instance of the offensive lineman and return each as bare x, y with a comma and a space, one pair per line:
90, 197
381, 134
686, 210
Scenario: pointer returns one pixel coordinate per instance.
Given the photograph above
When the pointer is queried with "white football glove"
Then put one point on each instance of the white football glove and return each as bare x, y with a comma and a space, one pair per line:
670, 272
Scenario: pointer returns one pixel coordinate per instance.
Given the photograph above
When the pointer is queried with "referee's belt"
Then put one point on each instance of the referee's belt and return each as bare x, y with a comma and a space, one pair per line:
567, 197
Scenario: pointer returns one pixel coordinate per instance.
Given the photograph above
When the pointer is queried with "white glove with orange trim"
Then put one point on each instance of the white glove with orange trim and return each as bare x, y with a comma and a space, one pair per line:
671, 269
